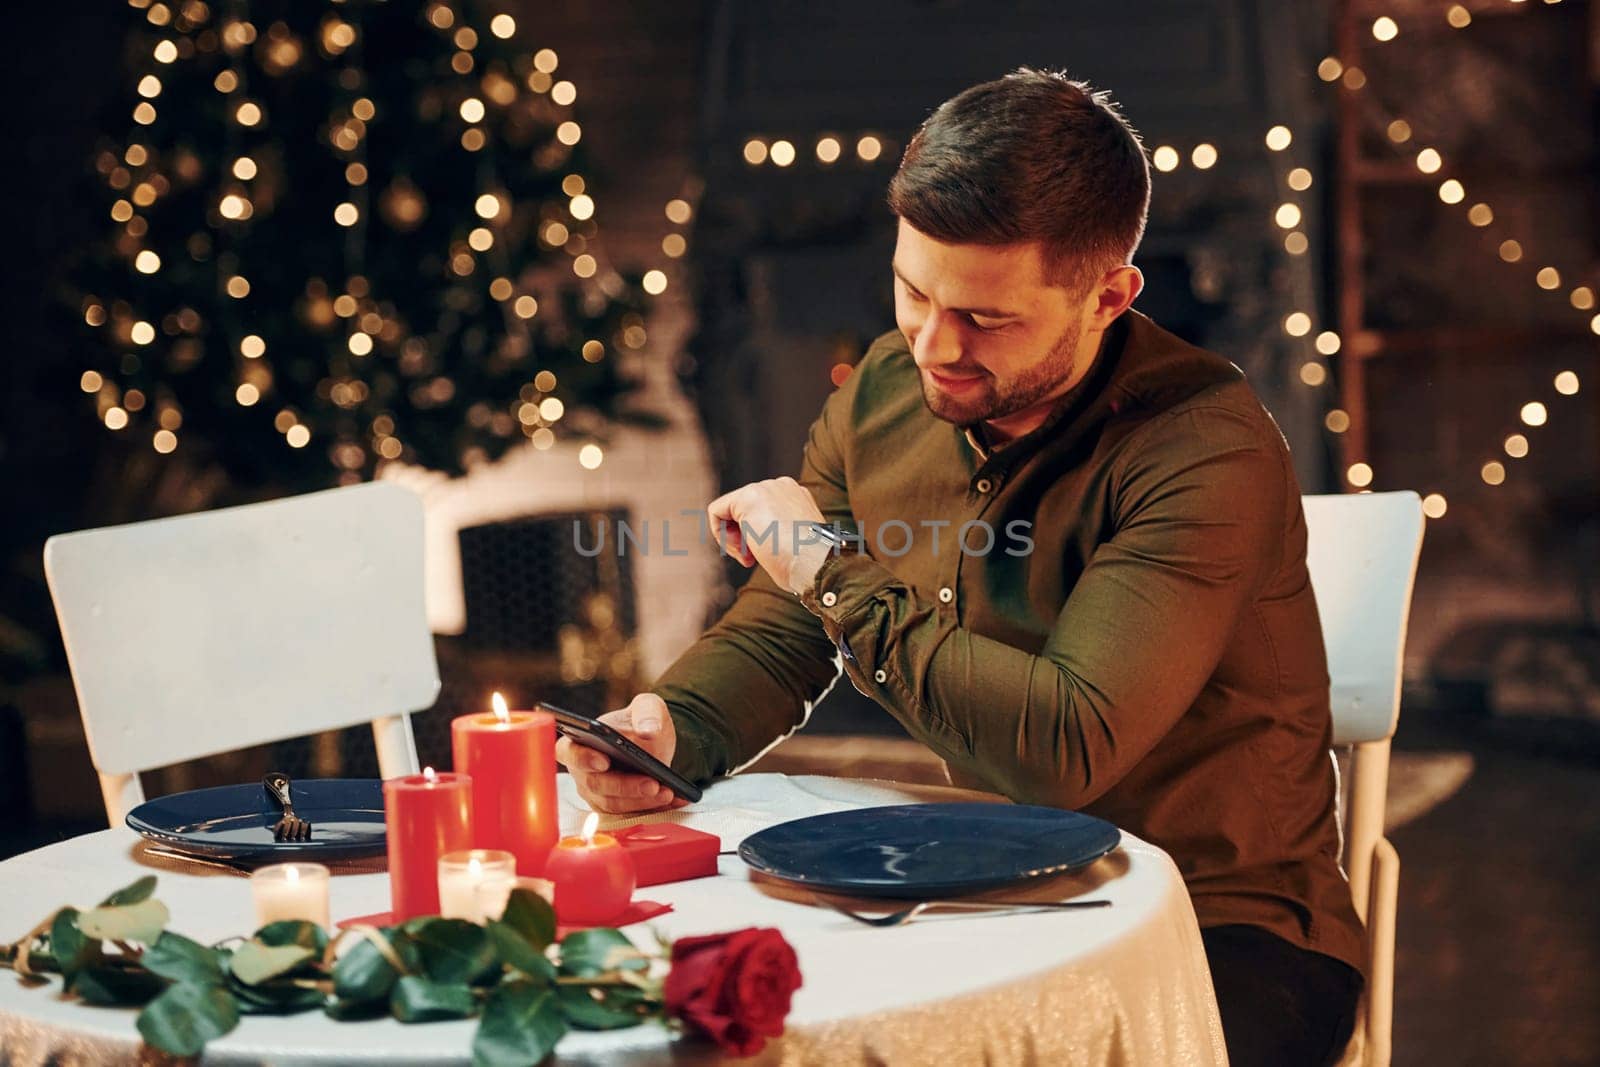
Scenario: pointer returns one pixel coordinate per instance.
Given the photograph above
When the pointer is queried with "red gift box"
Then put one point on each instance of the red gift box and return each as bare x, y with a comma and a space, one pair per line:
668, 852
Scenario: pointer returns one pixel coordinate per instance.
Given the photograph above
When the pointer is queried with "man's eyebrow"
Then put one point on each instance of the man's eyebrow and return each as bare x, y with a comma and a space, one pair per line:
988, 313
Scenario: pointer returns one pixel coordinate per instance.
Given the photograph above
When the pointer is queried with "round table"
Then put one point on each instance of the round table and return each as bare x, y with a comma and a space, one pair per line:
1126, 984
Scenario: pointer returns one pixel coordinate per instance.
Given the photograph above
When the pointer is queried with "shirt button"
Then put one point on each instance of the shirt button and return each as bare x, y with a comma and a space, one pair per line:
829, 599
946, 595
880, 676
984, 485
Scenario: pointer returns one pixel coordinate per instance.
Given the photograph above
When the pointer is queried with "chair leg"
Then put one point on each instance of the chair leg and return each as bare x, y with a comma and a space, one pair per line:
1381, 916
1369, 789
121, 793
397, 749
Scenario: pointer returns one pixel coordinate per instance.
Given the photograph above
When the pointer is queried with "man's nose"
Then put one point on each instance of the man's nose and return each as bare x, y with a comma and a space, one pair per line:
938, 344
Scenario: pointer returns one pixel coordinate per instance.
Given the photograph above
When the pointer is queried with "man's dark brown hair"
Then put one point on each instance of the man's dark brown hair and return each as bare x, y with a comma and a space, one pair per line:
1032, 156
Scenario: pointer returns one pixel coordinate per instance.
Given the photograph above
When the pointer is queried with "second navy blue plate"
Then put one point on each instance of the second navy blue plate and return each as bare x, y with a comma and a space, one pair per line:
929, 850
234, 822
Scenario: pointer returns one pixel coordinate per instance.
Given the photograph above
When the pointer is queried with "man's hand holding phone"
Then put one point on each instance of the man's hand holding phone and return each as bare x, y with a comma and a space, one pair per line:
617, 790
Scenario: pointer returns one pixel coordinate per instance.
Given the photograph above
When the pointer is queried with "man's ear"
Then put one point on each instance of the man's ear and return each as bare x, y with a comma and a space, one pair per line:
1116, 292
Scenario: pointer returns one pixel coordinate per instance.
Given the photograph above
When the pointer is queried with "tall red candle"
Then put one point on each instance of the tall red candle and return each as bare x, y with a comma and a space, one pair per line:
511, 757
425, 815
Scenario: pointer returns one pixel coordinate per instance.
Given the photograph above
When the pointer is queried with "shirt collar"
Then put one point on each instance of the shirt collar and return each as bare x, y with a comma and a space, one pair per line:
1071, 403
975, 438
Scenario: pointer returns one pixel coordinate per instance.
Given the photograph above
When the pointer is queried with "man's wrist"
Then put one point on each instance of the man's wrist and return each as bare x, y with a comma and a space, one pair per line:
689, 744
808, 560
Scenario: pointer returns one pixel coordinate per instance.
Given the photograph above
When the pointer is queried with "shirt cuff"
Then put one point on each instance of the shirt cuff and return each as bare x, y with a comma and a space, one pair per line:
842, 585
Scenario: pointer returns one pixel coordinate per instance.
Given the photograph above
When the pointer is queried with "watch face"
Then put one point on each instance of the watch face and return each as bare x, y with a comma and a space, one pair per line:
836, 540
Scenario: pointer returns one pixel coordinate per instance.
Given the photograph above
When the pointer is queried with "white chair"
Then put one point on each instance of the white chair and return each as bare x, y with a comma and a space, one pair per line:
204, 633
1362, 553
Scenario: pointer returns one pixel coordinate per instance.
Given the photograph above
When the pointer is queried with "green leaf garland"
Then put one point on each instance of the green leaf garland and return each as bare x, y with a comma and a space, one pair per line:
526, 988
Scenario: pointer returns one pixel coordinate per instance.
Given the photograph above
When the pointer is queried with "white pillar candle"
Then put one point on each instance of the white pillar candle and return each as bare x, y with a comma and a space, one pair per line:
290, 891
495, 893
475, 883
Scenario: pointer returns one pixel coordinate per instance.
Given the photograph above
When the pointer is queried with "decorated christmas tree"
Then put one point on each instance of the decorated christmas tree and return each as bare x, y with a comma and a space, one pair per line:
344, 234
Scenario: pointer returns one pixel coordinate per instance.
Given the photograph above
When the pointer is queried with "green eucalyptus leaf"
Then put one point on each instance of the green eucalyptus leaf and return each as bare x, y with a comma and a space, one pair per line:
275, 998
181, 1020
405, 946
141, 921
355, 1010
254, 963
362, 974
418, 1000
131, 894
530, 915
294, 932
589, 952
119, 987
612, 1010
176, 957
521, 1024
454, 950
513, 949
69, 948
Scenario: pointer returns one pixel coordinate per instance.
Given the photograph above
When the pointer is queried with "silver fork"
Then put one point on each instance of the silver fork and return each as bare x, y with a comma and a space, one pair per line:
905, 915
291, 827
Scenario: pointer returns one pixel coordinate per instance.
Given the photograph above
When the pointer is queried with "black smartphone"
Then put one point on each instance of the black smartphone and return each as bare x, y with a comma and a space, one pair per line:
603, 738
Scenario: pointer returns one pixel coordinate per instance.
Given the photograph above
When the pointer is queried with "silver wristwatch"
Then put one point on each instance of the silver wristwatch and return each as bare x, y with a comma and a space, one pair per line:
839, 543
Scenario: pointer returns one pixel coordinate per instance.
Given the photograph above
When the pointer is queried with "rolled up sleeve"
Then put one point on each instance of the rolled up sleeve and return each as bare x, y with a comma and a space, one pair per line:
755, 675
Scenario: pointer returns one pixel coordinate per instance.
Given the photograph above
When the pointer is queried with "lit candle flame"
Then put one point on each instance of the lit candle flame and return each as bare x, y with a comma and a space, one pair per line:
590, 825
428, 773
475, 867
291, 875
501, 712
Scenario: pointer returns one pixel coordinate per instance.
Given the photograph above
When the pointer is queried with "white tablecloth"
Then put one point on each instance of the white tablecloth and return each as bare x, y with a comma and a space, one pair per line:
1121, 985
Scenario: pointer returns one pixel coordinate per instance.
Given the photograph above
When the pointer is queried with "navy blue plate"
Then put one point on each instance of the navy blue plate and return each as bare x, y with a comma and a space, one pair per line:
234, 822
928, 850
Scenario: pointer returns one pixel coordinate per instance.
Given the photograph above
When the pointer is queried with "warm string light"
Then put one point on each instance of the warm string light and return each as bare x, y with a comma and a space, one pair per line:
536, 417
346, 136
828, 150
1314, 372
1452, 191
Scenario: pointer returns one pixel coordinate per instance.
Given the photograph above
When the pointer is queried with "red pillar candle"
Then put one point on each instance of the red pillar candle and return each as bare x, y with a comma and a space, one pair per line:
593, 877
424, 815
511, 756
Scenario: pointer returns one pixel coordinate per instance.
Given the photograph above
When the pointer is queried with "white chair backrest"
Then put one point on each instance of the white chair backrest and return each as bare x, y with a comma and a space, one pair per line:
1362, 552
199, 634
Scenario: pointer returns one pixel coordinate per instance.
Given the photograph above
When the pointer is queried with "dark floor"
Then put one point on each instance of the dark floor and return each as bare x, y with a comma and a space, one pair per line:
1498, 956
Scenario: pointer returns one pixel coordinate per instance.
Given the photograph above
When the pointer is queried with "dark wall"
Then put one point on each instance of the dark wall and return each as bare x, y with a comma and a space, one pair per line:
61, 71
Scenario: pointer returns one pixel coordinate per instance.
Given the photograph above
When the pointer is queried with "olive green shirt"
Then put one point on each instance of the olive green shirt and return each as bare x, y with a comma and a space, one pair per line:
1156, 658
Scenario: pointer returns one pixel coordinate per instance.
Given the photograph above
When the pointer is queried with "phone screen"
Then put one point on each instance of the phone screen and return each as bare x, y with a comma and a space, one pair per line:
604, 738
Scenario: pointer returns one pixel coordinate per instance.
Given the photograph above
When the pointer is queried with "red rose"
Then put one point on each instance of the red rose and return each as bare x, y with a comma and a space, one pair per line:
734, 987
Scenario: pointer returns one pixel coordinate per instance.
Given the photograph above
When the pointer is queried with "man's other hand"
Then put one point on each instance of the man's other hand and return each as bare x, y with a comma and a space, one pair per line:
762, 523
617, 791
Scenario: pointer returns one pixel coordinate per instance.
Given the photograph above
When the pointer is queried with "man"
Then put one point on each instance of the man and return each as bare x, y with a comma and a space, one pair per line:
1118, 618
